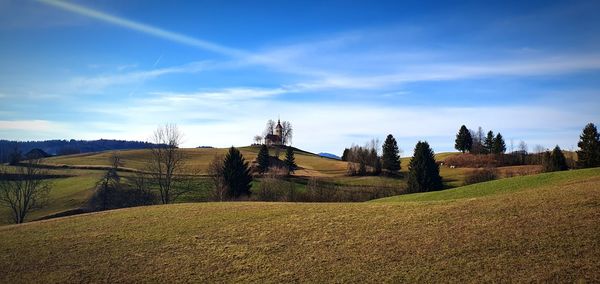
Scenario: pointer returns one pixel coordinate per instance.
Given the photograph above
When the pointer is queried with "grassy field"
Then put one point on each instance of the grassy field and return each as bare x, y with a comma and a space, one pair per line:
73, 192
542, 229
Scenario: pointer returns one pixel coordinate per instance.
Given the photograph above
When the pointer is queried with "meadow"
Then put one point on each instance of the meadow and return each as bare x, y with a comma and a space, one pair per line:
522, 229
84, 171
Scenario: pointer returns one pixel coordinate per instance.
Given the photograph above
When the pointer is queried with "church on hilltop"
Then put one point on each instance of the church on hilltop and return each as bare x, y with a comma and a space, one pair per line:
276, 138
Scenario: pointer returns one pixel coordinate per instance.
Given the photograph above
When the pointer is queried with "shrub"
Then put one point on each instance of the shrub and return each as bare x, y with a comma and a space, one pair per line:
481, 175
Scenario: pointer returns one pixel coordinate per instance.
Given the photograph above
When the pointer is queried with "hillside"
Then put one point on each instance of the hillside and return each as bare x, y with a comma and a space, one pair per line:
542, 228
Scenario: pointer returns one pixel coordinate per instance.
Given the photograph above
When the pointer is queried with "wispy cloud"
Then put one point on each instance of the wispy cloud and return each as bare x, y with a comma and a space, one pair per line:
147, 29
96, 83
29, 125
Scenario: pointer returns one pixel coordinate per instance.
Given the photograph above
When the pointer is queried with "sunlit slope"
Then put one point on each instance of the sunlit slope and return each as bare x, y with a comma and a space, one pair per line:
501, 186
199, 159
545, 232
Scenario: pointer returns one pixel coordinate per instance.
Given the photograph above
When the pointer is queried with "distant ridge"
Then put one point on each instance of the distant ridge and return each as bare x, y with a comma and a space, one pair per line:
67, 147
329, 155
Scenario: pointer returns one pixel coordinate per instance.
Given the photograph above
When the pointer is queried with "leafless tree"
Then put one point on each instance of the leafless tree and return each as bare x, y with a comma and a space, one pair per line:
286, 133
258, 139
538, 149
269, 128
24, 189
215, 171
523, 147
166, 163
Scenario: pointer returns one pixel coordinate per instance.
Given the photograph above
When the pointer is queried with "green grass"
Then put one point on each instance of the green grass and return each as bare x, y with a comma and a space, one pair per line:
501, 186
542, 229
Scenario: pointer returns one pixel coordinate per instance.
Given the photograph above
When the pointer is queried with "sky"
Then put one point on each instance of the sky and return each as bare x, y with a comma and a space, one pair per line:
342, 72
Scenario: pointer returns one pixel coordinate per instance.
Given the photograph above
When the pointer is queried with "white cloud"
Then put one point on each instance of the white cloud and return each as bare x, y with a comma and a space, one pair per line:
29, 125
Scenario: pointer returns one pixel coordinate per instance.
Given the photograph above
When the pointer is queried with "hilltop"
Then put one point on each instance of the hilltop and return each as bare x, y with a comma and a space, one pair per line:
502, 230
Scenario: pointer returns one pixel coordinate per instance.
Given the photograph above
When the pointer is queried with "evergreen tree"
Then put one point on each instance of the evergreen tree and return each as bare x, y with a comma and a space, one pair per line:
589, 144
464, 141
488, 144
555, 161
236, 174
391, 157
290, 160
499, 147
345, 154
263, 159
423, 172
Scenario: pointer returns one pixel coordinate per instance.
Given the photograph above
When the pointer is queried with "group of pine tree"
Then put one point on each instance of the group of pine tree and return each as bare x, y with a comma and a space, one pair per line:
588, 154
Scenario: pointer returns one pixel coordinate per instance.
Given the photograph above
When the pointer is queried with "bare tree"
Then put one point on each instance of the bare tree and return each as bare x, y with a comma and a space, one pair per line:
258, 139
523, 147
286, 133
166, 163
215, 171
24, 189
269, 128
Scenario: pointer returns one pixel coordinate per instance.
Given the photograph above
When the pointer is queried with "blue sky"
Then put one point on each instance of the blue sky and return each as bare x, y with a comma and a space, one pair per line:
341, 72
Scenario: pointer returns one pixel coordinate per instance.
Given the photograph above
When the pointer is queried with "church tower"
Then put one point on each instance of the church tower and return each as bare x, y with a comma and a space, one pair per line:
278, 129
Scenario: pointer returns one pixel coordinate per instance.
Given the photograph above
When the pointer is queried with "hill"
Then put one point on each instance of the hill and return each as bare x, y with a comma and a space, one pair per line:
545, 232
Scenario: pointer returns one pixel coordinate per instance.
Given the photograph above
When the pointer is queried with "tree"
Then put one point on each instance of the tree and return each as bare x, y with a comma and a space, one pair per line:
263, 159
166, 163
23, 189
555, 161
464, 141
488, 144
290, 160
108, 185
216, 173
498, 145
523, 147
589, 144
258, 139
390, 158
345, 154
269, 128
286, 133
423, 171
236, 174
478, 139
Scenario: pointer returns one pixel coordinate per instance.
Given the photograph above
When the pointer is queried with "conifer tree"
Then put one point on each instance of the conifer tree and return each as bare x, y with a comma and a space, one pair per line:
391, 157
263, 159
488, 144
499, 146
589, 144
236, 174
290, 160
555, 161
345, 154
464, 141
423, 172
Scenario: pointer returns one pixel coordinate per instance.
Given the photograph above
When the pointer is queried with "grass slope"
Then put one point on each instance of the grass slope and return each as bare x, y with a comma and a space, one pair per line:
498, 186
545, 232
312, 164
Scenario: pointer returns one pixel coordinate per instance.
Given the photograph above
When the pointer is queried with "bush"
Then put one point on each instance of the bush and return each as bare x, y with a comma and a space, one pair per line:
481, 175
272, 188
106, 198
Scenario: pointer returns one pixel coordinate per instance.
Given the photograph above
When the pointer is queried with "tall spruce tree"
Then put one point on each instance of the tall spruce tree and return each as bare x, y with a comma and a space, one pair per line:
555, 161
588, 155
423, 172
236, 174
488, 144
345, 154
290, 160
499, 146
263, 159
391, 157
464, 141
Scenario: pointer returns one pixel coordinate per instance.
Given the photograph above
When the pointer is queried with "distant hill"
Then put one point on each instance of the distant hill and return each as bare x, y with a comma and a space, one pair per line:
67, 147
329, 155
